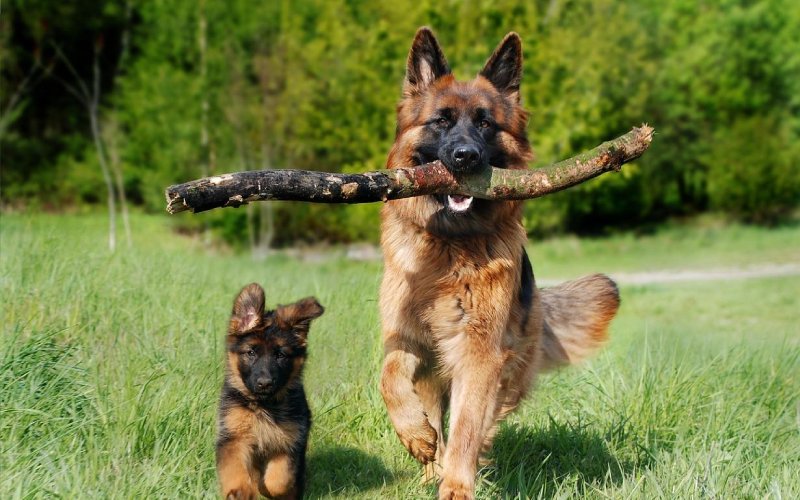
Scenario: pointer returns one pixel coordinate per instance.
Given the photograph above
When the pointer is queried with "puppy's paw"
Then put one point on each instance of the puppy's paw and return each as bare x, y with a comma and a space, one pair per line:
240, 494
451, 490
420, 441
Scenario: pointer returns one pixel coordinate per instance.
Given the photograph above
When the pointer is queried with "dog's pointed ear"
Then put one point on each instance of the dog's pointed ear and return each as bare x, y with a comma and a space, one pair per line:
504, 67
248, 310
298, 316
426, 63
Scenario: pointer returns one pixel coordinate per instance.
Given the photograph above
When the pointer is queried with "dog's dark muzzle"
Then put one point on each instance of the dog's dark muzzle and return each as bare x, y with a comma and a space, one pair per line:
462, 159
466, 158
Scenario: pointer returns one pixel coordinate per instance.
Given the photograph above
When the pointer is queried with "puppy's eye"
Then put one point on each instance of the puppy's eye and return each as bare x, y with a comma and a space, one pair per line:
443, 122
484, 124
280, 354
251, 353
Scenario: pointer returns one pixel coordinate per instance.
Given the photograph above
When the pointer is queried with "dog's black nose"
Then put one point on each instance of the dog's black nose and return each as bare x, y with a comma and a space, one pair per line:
466, 157
263, 384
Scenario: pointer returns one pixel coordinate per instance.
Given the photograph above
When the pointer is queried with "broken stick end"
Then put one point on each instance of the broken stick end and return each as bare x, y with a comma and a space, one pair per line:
645, 133
175, 202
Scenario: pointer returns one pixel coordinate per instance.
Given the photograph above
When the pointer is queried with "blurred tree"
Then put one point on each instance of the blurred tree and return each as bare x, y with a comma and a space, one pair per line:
46, 122
753, 172
221, 86
78, 74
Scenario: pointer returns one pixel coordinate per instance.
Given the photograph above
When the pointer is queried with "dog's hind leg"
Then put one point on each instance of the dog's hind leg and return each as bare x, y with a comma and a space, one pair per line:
505, 404
519, 373
405, 408
431, 390
508, 399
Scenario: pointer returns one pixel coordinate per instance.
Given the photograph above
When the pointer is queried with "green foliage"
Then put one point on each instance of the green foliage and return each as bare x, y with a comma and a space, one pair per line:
45, 121
312, 84
753, 170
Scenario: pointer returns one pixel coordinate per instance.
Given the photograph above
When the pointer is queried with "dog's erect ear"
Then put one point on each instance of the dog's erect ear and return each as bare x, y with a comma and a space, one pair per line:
248, 310
298, 316
504, 68
426, 63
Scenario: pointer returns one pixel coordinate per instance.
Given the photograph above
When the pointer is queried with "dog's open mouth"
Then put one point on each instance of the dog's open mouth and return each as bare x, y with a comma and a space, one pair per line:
458, 203
455, 203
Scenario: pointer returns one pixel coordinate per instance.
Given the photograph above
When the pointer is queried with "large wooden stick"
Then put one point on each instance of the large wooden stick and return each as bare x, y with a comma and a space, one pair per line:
233, 190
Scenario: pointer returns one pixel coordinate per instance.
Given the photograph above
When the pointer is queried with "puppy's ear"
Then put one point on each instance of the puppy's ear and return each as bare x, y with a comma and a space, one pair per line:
504, 67
298, 316
426, 63
248, 310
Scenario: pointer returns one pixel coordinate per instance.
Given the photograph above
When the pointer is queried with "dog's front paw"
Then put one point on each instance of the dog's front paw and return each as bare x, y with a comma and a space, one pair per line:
451, 490
420, 442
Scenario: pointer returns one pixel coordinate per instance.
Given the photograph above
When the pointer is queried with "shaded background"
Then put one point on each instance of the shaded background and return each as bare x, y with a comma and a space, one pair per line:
129, 97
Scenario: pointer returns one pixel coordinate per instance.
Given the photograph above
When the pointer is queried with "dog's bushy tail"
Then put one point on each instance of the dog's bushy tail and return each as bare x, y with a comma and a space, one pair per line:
576, 318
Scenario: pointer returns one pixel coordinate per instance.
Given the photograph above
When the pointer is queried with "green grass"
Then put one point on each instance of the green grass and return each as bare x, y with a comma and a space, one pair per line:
110, 367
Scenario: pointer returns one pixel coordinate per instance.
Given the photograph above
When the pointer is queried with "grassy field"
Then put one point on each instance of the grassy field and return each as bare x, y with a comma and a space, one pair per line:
110, 367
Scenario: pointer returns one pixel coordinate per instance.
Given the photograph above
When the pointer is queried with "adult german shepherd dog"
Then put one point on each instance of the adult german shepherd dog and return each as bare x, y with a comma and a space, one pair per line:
264, 419
464, 325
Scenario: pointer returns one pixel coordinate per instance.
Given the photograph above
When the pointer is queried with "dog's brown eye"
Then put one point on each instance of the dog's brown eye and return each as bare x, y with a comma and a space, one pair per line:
484, 124
443, 122
251, 353
280, 354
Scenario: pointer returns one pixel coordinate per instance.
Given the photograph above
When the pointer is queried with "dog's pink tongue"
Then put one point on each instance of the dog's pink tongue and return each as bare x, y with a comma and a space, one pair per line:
458, 198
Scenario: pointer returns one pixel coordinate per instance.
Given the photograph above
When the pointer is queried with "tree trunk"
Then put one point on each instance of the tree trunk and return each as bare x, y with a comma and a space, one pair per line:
233, 190
94, 120
91, 100
202, 46
101, 158
111, 131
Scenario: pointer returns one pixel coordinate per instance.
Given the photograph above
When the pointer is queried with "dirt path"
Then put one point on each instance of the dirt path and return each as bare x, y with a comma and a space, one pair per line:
367, 252
768, 270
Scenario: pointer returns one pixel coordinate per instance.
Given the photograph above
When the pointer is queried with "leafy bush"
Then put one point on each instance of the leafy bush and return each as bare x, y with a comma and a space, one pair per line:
752, 170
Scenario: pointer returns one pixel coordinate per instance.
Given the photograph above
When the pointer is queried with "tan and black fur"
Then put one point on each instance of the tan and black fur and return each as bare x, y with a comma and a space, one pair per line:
465, 328
264, 420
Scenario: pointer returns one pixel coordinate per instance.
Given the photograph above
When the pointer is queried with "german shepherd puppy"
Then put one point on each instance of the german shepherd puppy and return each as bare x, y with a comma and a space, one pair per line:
264, 419
464, 325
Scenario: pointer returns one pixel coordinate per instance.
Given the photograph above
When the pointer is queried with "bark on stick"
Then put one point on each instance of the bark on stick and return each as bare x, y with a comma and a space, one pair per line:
233, 190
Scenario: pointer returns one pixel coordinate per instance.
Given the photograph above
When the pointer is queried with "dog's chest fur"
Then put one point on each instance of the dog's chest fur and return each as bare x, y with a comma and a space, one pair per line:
258, 427
441, 284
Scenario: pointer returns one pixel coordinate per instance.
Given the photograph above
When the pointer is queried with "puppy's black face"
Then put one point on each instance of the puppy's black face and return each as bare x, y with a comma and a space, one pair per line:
269, 360
266, 350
